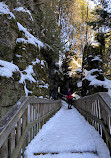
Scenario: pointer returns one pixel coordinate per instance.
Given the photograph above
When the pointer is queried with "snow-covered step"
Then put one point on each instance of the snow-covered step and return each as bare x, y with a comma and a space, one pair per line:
67, 135
67, 155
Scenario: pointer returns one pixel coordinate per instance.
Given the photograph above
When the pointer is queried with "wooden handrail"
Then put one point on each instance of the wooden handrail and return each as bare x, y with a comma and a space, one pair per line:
96, 109
22, 122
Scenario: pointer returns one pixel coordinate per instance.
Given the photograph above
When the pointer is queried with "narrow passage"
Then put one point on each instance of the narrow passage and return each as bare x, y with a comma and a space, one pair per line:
67, 135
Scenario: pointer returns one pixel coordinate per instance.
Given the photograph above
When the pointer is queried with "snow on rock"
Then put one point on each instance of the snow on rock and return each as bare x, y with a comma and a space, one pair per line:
26, 90
5, 10
97, 58
44, 86
28, 76
18, 56
67, 131
79, 84
21, 9
30, 38
36, 61
7, 68
42, 62
20, 40
41, 97
95, 82
90, 77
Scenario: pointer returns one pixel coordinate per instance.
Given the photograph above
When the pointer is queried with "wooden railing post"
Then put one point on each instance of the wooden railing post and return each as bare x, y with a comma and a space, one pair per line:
18, 130
96, 109
4, 149
12, 141
22, 123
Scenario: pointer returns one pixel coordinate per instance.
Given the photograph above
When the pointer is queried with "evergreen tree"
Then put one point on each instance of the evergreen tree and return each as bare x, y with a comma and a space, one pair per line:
102, 25
94, 58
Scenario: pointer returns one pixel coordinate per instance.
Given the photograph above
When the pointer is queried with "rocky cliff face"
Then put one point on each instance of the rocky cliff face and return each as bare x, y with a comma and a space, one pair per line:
24, 67
94, 80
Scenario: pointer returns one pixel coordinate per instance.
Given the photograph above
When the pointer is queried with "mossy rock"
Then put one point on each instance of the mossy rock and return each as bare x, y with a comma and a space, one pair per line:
16, 75
6, 53
8, 34
95, 89
99, 75
11, 91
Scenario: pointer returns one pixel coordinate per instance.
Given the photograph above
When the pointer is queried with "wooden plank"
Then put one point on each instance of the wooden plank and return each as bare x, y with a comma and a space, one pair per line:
23, 147
31, 119
4, 149
105, 132
35, 100
105, 102
20, 143
106, 97
34, 120
31, 133
12, 141
11, 119
14, 117
24, 121
36, 112
28, 128
31, 112
18, 130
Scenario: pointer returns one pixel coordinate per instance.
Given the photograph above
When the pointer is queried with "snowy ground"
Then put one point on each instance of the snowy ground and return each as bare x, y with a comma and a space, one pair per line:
68, 135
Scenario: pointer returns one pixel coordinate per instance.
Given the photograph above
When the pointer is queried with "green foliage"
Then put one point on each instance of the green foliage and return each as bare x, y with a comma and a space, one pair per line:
107, 55
102, 25
103, 19
50, 29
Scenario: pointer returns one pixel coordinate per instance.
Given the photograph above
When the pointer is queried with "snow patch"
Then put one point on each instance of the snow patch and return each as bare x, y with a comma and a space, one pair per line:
5, 10
28, 76
79, 84
19, 56
7, 68
21, 9
42, 62
97, 58
41, 97
30, 38
36, 61
95, 82
44, 86
26, 90
18, 103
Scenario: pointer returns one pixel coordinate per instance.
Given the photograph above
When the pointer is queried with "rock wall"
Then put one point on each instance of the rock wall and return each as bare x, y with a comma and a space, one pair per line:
24, 67
93, 80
